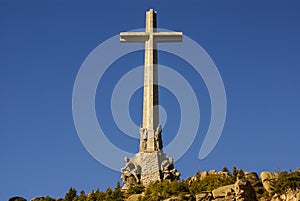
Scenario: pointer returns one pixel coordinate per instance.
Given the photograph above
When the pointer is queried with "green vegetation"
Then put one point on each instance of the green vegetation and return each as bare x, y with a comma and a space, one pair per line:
209, 183
201, 182
165, 189
71, 194
286, 181
135, 189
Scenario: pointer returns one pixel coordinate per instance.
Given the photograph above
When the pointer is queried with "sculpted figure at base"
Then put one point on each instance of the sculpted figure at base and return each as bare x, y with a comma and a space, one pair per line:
168, 170
131, 172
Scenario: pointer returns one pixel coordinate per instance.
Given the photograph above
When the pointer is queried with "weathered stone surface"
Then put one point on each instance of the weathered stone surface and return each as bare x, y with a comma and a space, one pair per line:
266, 178
187, 197
148, 167
134, 197
173, 199
131, 173
251, 176
288, 196
212, 172
223, 191
203, 175
224, 174
231, 198
276, 197
207, 196
244, 191
240, 191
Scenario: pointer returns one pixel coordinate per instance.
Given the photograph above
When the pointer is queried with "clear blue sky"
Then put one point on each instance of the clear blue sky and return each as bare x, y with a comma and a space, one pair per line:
254, 44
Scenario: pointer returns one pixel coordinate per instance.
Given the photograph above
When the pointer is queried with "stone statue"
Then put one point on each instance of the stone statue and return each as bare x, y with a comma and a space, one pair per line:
157, 137
131, 172
166, 163
143, 137
168, 171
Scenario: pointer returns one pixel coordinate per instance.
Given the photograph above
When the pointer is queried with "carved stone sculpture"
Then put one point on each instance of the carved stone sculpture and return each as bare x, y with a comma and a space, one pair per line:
131, 172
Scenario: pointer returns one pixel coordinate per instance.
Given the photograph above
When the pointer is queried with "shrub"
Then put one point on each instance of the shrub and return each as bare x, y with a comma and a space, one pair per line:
286, 181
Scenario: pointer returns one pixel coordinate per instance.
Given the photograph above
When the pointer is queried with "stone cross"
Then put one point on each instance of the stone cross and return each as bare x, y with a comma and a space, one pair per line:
150, 130
150, 164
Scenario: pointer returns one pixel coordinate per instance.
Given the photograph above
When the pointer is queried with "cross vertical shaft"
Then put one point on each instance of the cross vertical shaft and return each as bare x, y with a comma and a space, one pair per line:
150, 100
150, 130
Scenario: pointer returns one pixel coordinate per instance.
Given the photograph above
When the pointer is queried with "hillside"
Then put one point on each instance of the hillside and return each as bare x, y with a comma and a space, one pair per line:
235, 185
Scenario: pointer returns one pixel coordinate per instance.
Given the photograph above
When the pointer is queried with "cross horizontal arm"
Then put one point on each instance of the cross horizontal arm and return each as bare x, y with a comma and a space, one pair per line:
168, 36
134, 37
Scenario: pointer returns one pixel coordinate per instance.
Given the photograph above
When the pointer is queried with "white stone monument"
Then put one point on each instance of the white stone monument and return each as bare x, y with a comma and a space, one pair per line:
150, 164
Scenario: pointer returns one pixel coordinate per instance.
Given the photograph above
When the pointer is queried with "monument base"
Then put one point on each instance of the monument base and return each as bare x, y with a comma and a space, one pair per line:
147, 167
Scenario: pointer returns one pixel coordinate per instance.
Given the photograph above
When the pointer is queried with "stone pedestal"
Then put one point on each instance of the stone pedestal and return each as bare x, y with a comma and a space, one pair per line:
151, 166
148, 167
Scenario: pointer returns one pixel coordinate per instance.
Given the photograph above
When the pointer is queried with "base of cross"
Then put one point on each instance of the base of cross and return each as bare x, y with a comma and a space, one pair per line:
145, 168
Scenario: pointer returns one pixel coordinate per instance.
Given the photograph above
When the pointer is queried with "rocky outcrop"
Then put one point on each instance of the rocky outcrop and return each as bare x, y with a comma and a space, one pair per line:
266, 178
288, 196
252, 177
223, 191
134, 197
211, 172
203, 175
187, 197
242, 190
205, 196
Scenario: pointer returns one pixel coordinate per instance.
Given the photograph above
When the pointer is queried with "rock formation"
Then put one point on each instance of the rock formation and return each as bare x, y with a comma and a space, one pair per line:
266, 178
240, 191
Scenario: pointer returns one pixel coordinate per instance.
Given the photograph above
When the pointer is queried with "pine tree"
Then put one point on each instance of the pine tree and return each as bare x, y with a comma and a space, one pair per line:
71, 194
91, 196
241, 174
117, 194
225, 169
82, 196
235, 172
